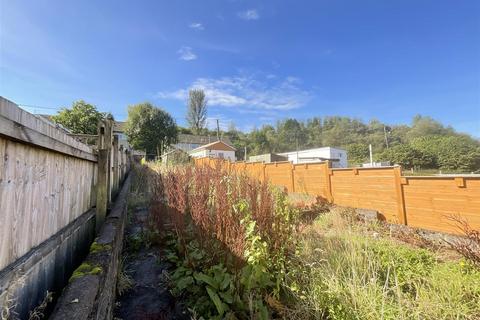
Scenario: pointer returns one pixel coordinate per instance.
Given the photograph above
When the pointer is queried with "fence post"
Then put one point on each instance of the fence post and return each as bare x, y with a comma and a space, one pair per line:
108, 146
115, 166
401, 212
328, 181
102, 188
292, 174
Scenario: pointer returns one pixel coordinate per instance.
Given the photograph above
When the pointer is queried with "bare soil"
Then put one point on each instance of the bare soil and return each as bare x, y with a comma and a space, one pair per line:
149, 298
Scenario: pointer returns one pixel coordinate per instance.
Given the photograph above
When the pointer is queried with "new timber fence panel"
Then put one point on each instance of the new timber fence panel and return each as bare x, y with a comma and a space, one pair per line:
256, 170
280, 174
422, 202
431, 202
311, 179
366, 188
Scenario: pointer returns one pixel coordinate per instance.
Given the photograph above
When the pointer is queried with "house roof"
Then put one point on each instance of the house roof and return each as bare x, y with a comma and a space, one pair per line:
174, 150
217, 145
309, 150
119, 126
192, 138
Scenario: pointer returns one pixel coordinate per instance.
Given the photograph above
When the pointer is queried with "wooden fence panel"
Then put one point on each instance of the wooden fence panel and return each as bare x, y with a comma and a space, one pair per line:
366, 188
311, 179
430, 202
422, 202
280, 174
255, 170
40, 192
47, 180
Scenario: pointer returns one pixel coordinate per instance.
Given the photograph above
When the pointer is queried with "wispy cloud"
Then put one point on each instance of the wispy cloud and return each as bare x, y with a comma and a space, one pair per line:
248, 92
197, 26
251, 14
186, 53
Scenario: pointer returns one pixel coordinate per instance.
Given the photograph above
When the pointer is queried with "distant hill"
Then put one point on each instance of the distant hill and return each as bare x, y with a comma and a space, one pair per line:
425, 144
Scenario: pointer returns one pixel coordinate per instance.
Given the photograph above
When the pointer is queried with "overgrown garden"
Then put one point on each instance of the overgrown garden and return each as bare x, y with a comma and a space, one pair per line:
242, 249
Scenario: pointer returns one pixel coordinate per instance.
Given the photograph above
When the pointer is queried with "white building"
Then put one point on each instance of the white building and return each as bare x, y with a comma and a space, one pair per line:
338, 157
217, 149
188, 142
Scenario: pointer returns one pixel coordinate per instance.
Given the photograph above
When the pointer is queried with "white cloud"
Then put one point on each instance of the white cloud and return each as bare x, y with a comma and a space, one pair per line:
186, 54
180, 94
197, 26
251, 14
247, 92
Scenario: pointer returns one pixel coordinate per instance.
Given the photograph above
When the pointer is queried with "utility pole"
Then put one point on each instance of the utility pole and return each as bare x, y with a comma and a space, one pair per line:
218, 131
371, 154
386, 138
245, 154
296, 145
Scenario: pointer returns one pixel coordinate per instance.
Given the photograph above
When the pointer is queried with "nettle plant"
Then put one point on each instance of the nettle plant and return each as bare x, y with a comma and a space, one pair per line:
229, 240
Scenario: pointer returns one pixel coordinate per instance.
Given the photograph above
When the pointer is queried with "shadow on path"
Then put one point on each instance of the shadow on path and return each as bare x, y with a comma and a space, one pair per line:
149, 297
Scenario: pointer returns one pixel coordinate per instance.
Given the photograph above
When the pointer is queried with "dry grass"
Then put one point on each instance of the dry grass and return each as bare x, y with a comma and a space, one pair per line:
38, 312
469, 246
124, 281
7, 298
350, 270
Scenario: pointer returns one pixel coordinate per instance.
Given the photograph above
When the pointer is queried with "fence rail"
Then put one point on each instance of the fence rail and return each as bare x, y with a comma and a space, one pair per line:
422, 202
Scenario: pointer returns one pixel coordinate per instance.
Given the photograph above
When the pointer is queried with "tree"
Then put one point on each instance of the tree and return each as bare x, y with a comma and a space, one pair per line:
453, 152
290, 133
406, 156
357, 153
459, 153
149, 127
426, 126
314, 132
81, 118
197, 110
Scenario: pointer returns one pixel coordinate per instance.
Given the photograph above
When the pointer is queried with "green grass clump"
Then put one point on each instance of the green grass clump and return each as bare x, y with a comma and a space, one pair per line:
342, 273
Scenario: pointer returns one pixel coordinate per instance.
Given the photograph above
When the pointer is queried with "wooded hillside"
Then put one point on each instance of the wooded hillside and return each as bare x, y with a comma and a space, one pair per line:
425, 144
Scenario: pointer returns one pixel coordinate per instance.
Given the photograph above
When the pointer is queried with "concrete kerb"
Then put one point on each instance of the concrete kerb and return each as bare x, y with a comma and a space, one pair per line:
90, 293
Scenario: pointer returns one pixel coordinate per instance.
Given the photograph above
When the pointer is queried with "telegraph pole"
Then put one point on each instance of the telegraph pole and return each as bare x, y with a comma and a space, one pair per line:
386, 138
218, 131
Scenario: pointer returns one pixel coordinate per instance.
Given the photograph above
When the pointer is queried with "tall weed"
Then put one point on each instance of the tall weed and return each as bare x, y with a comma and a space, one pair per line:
226, 226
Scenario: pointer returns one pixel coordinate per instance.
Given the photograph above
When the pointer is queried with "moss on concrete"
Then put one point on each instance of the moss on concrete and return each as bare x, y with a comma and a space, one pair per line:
97, 247
85, 269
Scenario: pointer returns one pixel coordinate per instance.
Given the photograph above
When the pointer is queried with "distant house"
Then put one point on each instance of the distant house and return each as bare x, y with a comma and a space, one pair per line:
175, 156
188, 142
338, 157
267, 158
376, 164
217, 149
119, 129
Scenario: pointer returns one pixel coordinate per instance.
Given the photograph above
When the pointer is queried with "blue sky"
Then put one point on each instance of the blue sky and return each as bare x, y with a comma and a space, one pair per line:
258, 61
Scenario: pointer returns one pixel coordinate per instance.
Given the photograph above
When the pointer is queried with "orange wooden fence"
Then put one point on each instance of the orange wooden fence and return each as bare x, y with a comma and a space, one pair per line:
422, 202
